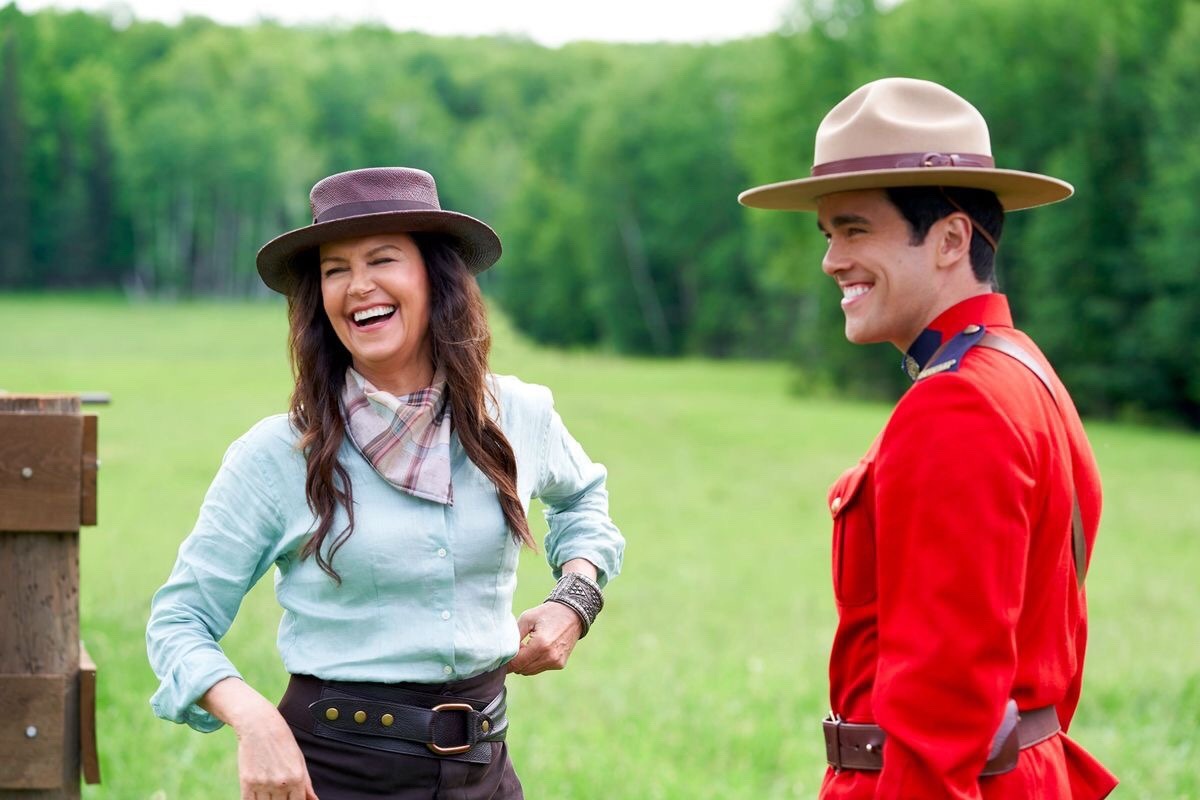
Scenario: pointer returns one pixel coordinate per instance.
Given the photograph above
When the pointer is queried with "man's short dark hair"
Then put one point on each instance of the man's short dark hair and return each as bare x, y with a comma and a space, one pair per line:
921, 206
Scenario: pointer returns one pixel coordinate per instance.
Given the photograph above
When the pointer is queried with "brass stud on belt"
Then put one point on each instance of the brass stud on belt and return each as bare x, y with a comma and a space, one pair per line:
485, 726
386, 720
360, 717
331, 714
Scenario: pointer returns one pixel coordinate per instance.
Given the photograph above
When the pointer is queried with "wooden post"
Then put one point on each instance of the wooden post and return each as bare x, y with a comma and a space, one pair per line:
47, 490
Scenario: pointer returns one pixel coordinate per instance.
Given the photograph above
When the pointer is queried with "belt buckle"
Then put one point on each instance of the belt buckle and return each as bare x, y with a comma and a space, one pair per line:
837, 740
449, 751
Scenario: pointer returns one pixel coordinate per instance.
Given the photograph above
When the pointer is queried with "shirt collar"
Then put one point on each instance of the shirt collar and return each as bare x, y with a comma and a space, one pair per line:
988, 310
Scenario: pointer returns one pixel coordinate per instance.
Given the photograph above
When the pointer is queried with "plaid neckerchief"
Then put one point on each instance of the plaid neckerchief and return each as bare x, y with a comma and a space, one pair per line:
406, 439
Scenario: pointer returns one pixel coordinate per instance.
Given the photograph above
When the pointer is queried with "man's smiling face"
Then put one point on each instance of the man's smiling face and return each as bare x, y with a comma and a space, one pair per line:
889, 285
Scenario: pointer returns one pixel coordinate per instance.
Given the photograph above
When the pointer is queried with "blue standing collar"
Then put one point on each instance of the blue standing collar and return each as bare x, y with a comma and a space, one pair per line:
920, 352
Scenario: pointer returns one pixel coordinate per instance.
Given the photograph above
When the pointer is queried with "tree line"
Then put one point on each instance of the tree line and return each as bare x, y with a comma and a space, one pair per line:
156, 159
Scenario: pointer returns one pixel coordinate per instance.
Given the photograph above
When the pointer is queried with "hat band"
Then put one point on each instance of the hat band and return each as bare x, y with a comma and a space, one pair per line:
357, 209
903, 161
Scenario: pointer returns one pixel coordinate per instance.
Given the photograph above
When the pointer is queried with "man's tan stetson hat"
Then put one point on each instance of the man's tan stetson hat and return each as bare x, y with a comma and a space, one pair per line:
905, 132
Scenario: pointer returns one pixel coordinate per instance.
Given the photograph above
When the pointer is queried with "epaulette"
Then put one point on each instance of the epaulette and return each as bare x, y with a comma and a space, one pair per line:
949, 357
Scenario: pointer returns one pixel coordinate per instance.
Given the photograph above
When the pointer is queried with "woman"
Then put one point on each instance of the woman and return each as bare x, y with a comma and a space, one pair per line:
392, 501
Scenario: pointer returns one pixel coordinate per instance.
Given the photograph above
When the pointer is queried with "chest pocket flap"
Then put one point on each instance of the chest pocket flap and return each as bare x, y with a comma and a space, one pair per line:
852, 509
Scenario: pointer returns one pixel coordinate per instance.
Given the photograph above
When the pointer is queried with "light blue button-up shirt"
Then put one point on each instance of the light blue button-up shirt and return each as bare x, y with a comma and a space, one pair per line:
427, 589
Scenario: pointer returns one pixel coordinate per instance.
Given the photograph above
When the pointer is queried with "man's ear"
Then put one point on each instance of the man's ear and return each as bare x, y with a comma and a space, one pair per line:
954, 239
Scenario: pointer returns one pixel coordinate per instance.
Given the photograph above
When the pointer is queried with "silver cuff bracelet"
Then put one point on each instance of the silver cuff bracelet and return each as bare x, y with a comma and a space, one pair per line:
581, 594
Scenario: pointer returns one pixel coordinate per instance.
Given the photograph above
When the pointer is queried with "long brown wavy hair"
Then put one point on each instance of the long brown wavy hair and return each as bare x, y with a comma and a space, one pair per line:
461, 342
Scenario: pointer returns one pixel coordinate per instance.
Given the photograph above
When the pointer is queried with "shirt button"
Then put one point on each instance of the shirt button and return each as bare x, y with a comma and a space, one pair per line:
441, 552
836, 504
447, 669
445, 615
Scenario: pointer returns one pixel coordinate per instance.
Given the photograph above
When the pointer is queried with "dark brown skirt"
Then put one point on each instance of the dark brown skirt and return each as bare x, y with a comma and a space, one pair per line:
343, 771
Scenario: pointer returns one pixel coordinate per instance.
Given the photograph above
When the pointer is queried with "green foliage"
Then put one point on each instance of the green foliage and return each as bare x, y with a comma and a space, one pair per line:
15, 245
662, 266
158, 159
705, 676
1168, 266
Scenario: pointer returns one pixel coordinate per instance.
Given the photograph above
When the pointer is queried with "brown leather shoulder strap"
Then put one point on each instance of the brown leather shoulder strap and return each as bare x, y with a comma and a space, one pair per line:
1015, 351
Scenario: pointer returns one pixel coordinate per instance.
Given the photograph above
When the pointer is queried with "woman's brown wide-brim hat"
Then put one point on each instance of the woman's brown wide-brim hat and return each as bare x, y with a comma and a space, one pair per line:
905, 132
364, 202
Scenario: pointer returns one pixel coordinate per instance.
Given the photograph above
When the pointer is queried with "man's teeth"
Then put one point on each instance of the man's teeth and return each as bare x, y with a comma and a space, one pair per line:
851, 292
375, 311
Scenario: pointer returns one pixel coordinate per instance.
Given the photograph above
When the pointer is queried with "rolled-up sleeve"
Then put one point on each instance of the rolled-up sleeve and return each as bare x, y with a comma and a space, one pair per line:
572, 487
230, 548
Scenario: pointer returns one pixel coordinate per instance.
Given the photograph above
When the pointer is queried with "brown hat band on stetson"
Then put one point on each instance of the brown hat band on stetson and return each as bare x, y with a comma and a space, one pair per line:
898, 132
904, 161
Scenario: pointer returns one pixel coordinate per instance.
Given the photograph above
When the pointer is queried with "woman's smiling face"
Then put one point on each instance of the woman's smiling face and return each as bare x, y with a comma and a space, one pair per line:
375, 292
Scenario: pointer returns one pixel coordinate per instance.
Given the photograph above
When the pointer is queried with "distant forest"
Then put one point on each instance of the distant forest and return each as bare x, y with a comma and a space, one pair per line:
156, 159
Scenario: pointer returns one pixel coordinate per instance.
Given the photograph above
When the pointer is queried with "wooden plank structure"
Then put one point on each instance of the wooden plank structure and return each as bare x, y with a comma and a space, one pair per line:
47, 681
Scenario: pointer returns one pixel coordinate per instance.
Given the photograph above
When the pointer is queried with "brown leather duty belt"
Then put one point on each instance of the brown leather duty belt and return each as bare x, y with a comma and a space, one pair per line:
857, 745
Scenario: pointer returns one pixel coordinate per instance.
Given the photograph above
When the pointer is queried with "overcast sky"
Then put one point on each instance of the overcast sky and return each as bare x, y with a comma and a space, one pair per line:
550, 22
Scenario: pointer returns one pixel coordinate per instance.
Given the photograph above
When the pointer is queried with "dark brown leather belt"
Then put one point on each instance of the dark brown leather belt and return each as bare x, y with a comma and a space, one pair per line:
443, 722
857, 745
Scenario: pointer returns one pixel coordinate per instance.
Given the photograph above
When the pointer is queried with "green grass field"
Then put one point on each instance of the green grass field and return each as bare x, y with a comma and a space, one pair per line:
706, 675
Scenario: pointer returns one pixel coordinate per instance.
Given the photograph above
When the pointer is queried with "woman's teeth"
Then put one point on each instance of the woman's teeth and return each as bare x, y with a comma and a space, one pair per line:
369, 314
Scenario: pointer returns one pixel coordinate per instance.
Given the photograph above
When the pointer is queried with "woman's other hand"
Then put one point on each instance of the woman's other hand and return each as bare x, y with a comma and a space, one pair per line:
270, 764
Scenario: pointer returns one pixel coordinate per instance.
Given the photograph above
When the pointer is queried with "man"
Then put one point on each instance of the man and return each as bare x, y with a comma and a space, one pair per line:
961, 539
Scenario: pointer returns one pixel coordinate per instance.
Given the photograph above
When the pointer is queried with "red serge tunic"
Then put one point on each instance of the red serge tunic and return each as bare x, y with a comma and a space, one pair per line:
954, 578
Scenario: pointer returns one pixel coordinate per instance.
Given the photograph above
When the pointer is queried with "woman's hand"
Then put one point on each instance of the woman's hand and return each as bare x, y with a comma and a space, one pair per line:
270, 764
550, 631
548, 635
